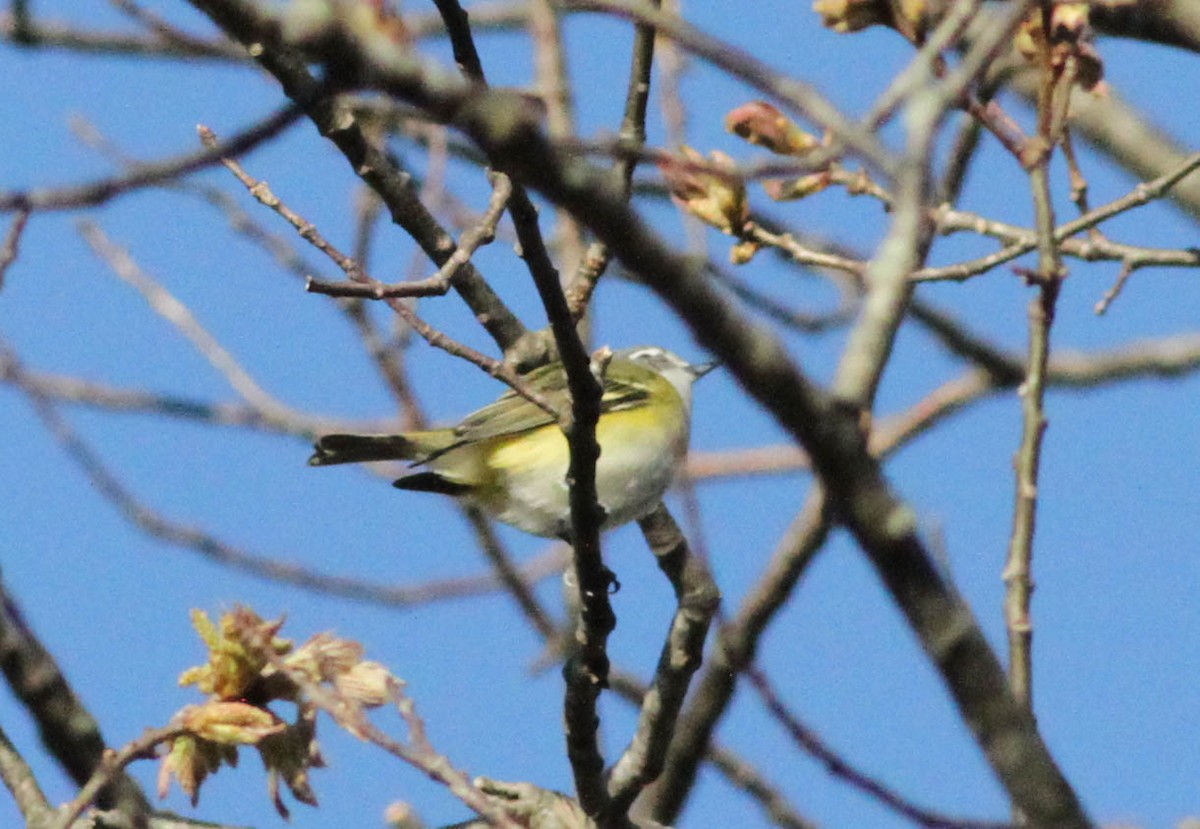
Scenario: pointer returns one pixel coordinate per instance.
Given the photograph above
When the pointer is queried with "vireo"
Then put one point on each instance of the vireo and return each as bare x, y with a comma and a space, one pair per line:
510, 458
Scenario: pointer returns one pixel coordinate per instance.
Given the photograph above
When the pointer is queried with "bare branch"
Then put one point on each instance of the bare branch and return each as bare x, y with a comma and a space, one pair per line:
65, 389
887, 277
68, 731
12, 243
632, 134
811, 743
21, 783
50, 34
175, 312
417, 751
1140, 195
697, 600
437, 285
354, 272
1173, 22
112, 768
735, 648
146, 175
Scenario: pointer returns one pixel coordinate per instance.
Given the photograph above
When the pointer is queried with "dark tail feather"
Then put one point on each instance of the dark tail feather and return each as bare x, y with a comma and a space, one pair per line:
333, 449
431, 482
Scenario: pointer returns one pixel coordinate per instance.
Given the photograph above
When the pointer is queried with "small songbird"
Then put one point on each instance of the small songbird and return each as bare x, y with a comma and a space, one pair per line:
510, 458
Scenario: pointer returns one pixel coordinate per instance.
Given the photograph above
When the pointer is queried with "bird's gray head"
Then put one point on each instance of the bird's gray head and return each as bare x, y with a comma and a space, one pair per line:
678, 371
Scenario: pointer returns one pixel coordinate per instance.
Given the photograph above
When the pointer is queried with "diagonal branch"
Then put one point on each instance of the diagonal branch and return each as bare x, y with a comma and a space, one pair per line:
810, 742
25, 31
68, 730
12, 243
378, 169
178, 314
697, 599
146, 175
585, 671
795, 95
734, 651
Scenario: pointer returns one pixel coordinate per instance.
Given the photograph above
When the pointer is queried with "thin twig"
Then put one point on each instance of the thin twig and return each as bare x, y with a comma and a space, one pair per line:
380, 170
810, 742
887, 277
66, 389
759, 460
1019, 241
388, 361
160, 27
552, 80
1018, 567
21, 783
11, 248
1113, 292
417, 751
632, 134
147, 175
68, 730
175, 312
1140, 195
742, 775
925, 64
437, 285
353, 270
795, 95
738, 771
282, 251
112, 765
801, 254
23, 30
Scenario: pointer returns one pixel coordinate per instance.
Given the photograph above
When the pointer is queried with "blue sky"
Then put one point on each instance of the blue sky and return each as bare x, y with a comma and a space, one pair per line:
1115, 648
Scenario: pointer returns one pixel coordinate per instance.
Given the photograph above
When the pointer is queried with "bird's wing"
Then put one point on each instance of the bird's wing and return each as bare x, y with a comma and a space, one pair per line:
512, 414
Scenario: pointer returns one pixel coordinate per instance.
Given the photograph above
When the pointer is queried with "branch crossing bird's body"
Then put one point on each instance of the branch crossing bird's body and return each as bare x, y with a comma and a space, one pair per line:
510, 458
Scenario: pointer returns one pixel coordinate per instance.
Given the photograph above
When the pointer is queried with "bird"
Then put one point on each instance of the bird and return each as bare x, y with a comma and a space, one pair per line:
510, 458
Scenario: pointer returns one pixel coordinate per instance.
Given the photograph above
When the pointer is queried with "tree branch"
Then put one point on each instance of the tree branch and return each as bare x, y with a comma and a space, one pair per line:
146, 175
67, 728
697, 599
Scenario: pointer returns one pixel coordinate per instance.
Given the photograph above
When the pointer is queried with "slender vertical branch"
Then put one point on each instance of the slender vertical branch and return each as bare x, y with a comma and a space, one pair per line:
1018, 577
735, 648
632, 135
697, 598
12, 243
21, 783
586, 672
889, 288
553, 80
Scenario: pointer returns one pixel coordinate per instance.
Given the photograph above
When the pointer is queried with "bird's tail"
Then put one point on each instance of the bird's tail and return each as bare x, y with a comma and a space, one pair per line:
416, 446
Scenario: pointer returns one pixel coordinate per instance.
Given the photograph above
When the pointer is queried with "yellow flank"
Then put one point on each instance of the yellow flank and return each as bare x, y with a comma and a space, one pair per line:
543, 447
522, 476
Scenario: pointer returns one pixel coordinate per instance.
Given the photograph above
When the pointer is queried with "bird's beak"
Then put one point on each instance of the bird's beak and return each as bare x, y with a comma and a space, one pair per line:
700, 369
